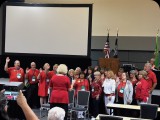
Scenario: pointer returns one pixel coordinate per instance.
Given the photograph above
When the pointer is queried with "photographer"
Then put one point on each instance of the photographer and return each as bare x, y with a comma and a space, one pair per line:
21, 101
3, 106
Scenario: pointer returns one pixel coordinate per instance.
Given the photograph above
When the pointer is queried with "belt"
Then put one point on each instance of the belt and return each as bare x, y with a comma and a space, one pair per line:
112, 94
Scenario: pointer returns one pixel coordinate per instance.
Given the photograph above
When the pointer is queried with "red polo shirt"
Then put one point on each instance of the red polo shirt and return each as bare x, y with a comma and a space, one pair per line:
33, 73
14, 73
151, 78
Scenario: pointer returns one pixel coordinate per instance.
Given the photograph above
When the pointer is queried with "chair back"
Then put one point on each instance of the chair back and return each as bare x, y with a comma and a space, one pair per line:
71, 96
110, 118
148, 111
83, 98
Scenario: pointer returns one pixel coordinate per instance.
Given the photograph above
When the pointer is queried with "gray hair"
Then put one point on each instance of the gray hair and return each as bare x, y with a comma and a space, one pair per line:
56, 113
149, 65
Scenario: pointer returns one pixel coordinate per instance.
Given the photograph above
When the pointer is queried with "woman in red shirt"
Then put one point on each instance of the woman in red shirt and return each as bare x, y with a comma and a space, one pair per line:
59, 85
96, 90
142, 88
81, 84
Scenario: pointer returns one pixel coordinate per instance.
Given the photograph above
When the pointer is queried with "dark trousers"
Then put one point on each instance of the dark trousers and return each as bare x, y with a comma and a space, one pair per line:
95, 107
61, 105
32, 96
120, 112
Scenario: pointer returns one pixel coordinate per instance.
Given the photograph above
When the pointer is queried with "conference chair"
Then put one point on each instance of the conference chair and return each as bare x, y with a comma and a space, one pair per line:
148, 111
44, 108
82, 103
71, 101
110, 118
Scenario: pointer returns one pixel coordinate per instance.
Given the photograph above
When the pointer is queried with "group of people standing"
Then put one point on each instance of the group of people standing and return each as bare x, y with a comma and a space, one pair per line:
134, 87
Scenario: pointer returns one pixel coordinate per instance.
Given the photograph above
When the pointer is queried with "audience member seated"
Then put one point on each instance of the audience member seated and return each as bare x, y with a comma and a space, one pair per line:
56, 113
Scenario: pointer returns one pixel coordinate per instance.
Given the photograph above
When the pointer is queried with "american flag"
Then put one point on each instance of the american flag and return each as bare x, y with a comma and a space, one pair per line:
107, 47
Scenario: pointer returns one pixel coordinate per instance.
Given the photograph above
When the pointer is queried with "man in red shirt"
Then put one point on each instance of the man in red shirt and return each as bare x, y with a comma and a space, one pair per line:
16, 73
32, 89
152, 80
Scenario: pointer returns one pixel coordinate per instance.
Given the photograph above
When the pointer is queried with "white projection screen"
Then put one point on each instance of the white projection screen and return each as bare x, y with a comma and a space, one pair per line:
52, 29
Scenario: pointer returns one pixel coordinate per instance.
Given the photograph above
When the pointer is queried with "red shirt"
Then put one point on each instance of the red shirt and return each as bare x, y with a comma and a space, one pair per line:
151, 78
51, 74
32, 76
134, 82
79, 84
121, 86
16, 75
96, 88
60, 85
142, 90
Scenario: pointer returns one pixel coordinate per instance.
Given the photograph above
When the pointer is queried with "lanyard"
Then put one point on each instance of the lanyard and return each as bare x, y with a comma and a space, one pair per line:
33, 72
83, 83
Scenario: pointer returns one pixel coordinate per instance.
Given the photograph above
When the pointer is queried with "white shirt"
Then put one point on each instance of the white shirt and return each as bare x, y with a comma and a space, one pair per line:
109, 86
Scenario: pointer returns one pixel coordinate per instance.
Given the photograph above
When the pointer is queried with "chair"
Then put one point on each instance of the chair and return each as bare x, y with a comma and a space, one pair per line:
44, 107
110, 118
82, 103
71, 101
148, 111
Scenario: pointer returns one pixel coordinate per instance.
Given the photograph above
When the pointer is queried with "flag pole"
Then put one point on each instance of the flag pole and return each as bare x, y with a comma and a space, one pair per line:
156, 54
108, 30
117, 30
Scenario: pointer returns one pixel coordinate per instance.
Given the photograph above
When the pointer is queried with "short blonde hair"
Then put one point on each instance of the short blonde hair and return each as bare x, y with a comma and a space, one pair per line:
56, 113
143, 73
62, 69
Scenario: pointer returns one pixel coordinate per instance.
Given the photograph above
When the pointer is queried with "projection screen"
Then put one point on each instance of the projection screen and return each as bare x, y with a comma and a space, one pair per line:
57, 29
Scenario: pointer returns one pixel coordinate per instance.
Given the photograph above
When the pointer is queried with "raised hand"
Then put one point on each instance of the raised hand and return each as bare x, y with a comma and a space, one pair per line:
27, 70
40, 70
7, 60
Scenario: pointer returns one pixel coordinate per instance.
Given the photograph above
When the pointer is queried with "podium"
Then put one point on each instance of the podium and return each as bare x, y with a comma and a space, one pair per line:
110, 63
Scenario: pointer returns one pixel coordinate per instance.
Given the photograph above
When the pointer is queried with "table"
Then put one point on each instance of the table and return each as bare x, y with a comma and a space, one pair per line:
122, 106
124, 118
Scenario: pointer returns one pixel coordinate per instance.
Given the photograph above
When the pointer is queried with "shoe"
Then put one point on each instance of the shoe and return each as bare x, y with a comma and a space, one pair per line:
92, 118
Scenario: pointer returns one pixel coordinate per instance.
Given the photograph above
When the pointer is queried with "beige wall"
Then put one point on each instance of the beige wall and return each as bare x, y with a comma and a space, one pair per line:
132, 17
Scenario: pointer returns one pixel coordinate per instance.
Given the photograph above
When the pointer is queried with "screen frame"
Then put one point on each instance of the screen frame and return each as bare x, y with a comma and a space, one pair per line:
46, 5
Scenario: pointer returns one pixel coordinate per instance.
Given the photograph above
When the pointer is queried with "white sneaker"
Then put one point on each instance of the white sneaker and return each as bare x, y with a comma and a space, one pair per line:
82, 116
93, 118
79, 115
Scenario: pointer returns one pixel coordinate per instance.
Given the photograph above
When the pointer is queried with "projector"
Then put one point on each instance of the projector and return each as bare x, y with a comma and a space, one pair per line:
11, 86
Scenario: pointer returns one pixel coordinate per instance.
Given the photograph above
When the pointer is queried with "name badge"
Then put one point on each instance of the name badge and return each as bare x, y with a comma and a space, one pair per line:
33, 78
92, 89
121, 90
47, 80
83, 88
48, 91
18, 75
